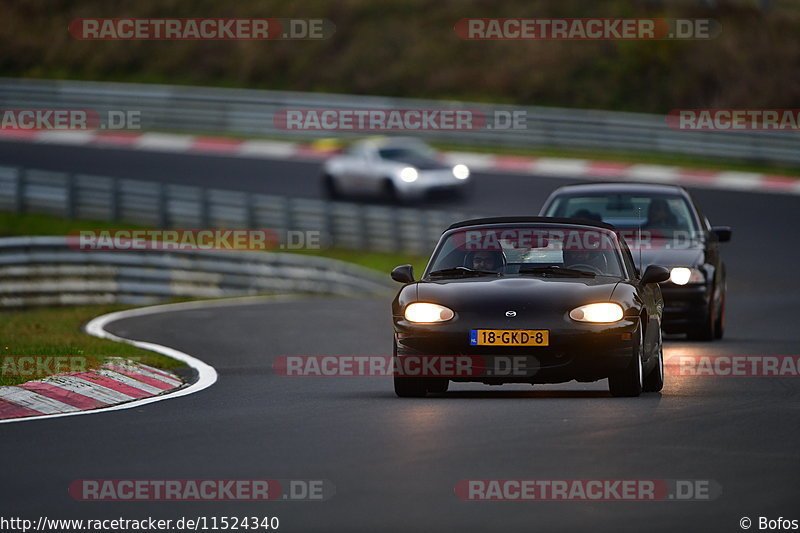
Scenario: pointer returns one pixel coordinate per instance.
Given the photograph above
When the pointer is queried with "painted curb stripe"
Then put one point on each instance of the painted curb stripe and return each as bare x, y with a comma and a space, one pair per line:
32, 400
92, 390
97, 379
155, 382
12, 410
62, 395
132, 383
552, 167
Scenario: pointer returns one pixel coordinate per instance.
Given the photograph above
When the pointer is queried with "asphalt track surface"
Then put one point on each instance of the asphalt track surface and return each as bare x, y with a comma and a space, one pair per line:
395, 462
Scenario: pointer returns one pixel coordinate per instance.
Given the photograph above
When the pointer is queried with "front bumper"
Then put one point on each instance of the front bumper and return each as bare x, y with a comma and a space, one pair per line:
433, 182
684, 306
583, 352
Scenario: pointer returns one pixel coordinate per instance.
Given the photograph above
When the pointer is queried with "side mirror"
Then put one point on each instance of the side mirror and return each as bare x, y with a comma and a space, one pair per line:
723, 233
403, 274
655, 274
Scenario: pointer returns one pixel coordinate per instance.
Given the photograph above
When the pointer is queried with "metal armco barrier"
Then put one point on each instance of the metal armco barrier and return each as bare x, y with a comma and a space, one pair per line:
340, 224
251, 112
45, 271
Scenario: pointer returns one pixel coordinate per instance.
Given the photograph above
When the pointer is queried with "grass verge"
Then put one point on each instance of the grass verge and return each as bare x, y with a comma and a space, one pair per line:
57, 332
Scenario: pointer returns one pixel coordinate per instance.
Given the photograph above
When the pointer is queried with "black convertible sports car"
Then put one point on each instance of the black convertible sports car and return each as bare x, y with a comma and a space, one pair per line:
529, 300
674, 233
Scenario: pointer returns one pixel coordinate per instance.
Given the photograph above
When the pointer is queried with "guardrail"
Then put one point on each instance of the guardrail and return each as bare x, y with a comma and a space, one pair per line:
45, 271
250, 112
161, 205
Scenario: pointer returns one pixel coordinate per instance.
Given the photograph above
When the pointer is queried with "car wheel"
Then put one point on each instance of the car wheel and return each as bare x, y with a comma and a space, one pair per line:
407, 387
390, 192
329, 187
629, 381
705, 331
438, 385
719, 326
654, 381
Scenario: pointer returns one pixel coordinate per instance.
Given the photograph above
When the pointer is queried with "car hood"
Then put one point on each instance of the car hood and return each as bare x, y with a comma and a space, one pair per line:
688, 256
520, 294
420, 163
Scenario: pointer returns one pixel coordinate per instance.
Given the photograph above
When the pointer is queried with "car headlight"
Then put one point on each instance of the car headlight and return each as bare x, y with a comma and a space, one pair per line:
683, 275
598, 313
425, 312
461, 171
409, 174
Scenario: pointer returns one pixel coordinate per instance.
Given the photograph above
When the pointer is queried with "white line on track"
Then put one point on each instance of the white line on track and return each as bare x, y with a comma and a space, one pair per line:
207, 375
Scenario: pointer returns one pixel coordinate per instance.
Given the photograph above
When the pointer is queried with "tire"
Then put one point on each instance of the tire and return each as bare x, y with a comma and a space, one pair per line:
329, 188
654, 381
409, 387
628, 383
706, 330
406, 387
438, 386
719, 325
390, 192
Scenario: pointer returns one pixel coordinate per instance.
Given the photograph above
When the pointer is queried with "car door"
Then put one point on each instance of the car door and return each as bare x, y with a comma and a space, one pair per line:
353, 170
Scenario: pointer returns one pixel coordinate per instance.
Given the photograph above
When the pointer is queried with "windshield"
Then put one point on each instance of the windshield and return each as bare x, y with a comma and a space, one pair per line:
407, 154
550, 251
666, 216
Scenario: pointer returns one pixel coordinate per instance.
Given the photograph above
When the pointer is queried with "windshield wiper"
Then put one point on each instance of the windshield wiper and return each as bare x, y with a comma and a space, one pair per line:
558, 271
462, 271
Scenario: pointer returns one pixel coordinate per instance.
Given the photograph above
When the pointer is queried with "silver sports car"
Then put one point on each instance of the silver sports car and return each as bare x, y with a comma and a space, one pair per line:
399, 169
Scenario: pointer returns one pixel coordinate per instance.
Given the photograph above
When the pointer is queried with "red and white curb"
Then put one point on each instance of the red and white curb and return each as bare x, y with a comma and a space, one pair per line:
117, 385
115, 382
532, 166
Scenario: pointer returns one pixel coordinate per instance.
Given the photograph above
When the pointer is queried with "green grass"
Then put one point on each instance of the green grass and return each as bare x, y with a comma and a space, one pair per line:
57, 332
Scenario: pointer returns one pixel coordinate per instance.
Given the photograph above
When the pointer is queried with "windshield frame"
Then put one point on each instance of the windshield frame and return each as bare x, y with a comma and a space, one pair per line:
611, 234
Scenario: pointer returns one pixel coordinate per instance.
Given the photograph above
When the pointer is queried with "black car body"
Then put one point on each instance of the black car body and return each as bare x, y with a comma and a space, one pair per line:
530, 290
695, 306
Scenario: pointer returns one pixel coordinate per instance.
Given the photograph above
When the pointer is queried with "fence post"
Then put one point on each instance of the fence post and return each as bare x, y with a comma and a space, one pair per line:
205, 208
250, 211
114, 208
70, 209
19, 196
163, 206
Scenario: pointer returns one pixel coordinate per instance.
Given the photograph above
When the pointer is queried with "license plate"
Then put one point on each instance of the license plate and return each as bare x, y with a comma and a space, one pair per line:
509, 337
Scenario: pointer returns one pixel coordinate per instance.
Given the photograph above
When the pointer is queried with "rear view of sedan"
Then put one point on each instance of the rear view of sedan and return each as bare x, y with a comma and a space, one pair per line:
528, 300
397, 169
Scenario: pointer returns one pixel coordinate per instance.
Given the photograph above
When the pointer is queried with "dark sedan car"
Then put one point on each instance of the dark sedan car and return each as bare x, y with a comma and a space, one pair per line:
529, 300
664, 226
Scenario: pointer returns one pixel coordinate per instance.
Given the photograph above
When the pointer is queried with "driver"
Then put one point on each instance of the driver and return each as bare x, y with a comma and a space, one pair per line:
491, 261
592, 258
660, 215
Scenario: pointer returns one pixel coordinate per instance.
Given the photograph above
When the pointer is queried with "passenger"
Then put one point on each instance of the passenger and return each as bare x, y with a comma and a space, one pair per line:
582, 258
491, 261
